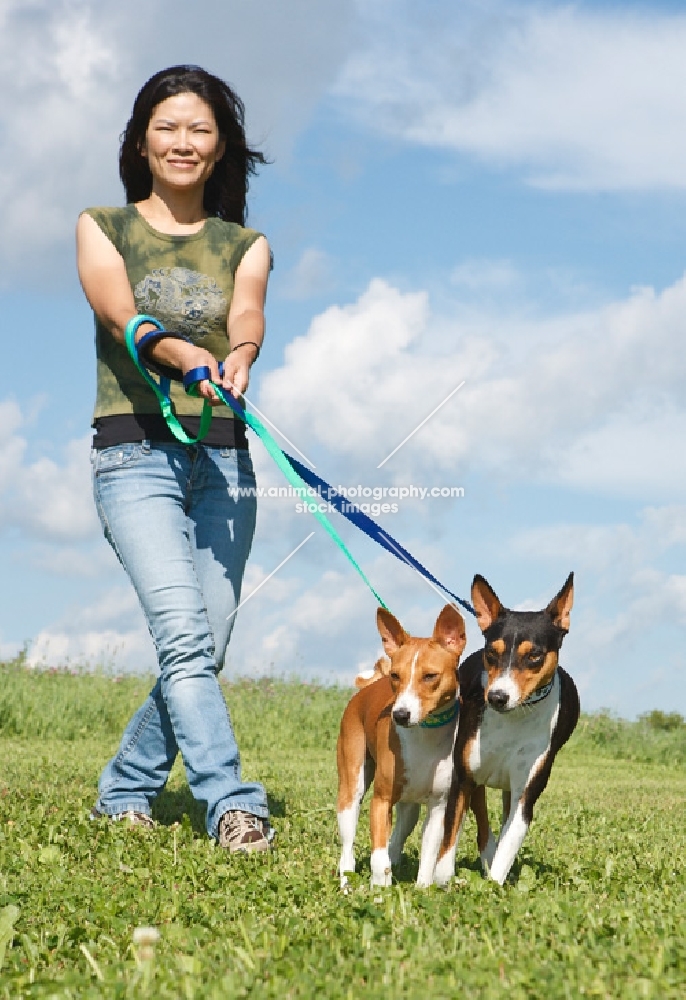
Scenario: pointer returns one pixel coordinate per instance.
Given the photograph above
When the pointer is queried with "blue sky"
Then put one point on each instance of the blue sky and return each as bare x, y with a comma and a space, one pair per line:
487, 192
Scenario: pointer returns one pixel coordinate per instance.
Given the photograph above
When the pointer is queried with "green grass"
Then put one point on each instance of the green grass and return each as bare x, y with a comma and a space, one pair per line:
596, 905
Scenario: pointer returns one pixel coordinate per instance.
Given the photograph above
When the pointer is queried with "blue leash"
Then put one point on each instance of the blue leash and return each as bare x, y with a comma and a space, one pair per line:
370, 527
323, 489
350, 510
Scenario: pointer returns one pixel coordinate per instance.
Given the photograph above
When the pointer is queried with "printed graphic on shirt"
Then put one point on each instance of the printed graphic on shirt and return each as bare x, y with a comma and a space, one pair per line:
182, 300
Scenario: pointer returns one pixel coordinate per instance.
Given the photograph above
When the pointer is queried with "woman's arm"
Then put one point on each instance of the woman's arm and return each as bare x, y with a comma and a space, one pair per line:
246, 315
104, 280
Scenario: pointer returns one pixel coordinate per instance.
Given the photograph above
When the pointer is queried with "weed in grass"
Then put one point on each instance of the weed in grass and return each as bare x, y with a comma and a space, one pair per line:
595, 905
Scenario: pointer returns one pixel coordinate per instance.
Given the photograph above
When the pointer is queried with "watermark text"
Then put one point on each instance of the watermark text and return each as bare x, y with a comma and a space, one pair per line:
372, 500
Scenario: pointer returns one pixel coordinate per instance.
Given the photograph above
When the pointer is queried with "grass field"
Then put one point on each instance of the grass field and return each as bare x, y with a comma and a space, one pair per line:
596, 905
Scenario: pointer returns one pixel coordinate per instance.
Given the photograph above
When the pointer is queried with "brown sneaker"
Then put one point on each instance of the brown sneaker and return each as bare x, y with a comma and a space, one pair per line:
133, 817
241, 831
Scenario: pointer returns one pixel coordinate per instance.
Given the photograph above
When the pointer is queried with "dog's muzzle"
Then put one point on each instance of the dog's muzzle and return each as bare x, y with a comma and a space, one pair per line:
401, 716
498, 700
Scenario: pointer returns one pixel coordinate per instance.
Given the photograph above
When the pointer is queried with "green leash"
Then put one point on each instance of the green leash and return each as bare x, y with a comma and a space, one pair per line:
161, 390
295, 480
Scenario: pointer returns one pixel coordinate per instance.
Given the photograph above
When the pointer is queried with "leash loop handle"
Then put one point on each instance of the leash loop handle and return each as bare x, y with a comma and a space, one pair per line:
197, 375
161, 388
147, 340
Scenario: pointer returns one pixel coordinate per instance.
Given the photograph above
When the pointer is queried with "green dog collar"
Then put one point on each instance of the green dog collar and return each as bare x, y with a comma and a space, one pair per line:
437, 719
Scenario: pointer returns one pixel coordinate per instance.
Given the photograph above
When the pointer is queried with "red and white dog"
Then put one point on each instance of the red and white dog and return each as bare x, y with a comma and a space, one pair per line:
399, 731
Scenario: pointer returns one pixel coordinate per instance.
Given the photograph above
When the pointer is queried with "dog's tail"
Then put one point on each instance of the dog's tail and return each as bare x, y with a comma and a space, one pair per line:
381, 668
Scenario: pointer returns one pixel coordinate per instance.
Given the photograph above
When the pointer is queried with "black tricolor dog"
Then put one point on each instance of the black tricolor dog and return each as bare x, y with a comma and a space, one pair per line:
518, 707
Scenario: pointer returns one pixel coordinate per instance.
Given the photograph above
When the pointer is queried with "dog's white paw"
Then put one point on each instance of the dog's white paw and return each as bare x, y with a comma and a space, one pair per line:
498, 872
384, 881
445, 869
381, 868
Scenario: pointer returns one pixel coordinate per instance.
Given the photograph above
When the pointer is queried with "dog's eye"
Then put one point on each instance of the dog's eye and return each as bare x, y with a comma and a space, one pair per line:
430, 677
394, 676
491, 657
536, 659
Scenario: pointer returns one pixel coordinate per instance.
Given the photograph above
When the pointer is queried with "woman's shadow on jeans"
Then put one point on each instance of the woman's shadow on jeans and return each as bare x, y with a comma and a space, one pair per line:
175, 803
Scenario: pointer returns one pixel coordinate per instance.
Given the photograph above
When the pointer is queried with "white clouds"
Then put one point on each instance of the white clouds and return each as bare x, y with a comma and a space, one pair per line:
93, 560
595, 548
111, 632
69, 70
592, 400
11, 445
600, 551
320, 623
45, 499
311, 275
632, 454
669, 524
627, 603
480, 275
59, 74
55, 501
484, 284
348, 370
319, 626
581, 99
321, 629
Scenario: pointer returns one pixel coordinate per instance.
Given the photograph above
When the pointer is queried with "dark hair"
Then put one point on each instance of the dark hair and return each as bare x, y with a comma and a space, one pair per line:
226, 190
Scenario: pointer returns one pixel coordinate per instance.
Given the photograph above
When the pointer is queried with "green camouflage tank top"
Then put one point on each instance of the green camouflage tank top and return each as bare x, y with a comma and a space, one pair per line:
186, 282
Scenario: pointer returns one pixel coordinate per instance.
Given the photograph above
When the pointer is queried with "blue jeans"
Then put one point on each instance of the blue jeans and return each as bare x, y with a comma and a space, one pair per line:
168, 513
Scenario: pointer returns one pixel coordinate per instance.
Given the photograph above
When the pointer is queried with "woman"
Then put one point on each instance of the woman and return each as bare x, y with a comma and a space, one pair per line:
179, 252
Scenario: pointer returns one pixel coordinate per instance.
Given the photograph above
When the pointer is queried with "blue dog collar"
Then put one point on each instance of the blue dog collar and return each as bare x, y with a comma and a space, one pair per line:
542, 693
437, 719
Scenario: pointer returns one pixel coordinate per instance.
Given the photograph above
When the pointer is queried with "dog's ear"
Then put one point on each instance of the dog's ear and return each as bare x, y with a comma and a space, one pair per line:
561, 604
393, 635
486, 602
449, 630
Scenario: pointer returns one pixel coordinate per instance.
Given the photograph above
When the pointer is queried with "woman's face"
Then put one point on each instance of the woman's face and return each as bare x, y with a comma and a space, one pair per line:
182, 143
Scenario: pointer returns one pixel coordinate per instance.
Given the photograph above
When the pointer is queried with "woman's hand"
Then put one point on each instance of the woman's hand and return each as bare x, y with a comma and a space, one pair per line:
180, 354
237, 368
